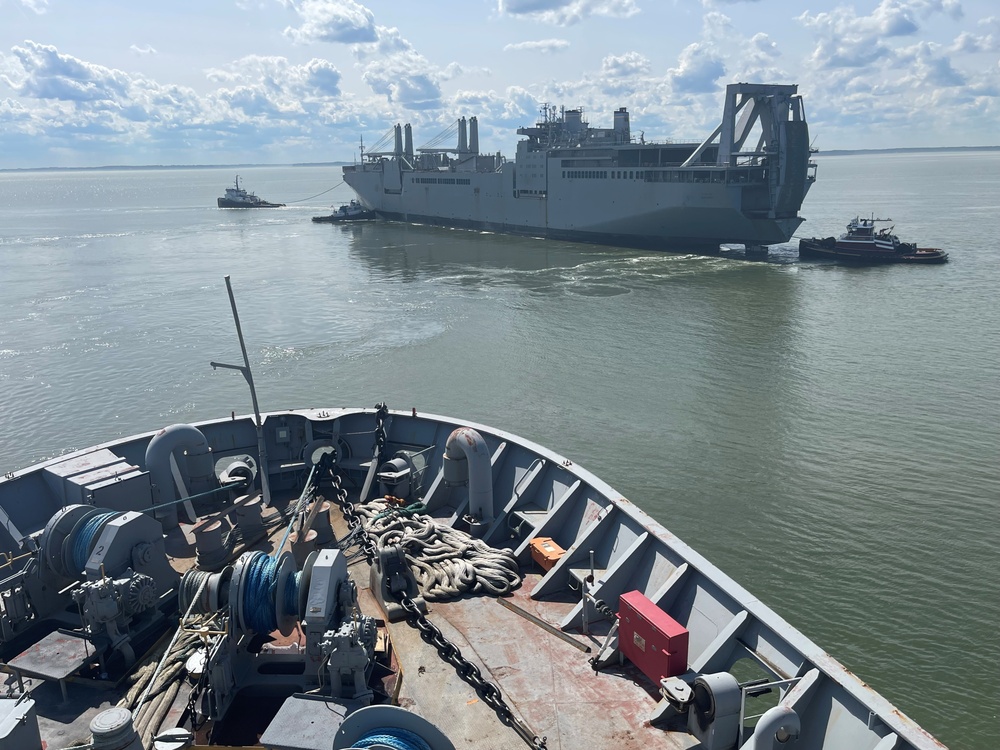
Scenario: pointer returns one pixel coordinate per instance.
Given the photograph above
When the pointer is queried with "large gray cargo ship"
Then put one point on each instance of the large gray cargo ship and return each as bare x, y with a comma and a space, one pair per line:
744, 184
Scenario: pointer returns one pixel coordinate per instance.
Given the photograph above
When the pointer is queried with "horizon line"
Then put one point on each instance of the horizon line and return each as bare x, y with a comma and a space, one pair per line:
817, 152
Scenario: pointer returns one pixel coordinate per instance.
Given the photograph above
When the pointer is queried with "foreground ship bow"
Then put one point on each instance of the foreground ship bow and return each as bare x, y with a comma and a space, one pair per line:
327, 579
492, 587
744, 184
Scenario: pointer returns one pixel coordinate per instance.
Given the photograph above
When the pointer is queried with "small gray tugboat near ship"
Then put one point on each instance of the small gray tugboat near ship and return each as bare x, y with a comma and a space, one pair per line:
333, 578
864, 243
237, 197
352, 211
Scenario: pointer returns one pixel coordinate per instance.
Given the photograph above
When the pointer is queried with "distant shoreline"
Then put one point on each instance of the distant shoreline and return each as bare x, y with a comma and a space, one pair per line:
927, 150
820, 152
173, 166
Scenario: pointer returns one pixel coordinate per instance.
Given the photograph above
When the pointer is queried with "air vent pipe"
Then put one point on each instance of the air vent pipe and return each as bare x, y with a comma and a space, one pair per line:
158, 453
466, 448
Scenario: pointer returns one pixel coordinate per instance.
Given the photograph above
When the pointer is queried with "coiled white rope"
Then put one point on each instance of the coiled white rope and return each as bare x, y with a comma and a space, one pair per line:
446, 562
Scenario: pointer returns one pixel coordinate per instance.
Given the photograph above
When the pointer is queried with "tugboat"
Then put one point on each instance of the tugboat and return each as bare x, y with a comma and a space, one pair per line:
237, 197
352, 211
864, 244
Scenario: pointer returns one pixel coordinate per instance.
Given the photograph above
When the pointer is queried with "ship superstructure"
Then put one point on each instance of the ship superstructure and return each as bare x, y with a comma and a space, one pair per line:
743, 184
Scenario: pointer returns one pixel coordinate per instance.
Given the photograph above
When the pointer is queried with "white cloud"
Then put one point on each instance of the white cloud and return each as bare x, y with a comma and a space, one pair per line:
47, 74
845, 39
566, 12
142, 51
545, 46
924, 67
342, 21
699, 67
38, 6
629, 64
968, 42
395, 70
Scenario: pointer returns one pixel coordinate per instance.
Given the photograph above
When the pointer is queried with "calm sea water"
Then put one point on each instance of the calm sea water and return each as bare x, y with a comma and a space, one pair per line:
829, 436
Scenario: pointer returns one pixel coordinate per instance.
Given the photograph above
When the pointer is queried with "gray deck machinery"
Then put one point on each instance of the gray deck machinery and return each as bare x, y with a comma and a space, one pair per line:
91, 580
262, 594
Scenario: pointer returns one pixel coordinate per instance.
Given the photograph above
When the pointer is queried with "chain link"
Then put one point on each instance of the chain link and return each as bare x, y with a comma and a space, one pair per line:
354, 521
381, 412
347, 509
448, 651
469, 672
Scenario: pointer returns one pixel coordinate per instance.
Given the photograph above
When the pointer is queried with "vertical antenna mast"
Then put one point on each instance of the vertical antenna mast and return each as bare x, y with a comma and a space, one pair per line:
245, 369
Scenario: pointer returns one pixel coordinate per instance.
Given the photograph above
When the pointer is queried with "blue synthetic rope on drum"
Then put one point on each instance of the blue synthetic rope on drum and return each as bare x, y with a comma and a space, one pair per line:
84, 541
258, 594
394, 737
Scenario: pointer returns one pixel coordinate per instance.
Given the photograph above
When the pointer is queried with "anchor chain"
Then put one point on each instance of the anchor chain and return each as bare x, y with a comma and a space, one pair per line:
381, 412
354, 522
469, 672
448, 651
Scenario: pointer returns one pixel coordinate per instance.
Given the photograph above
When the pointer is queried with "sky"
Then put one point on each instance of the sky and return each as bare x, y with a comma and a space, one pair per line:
107, 82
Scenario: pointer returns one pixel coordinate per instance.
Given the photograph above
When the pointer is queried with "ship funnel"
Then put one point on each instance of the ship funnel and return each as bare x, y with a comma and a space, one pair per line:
622, 131
474, 135
398, 150
573, 120
463, 138
408, 140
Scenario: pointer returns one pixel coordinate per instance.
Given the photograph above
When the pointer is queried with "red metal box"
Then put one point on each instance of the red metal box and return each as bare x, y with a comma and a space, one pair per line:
545, 552
650, 638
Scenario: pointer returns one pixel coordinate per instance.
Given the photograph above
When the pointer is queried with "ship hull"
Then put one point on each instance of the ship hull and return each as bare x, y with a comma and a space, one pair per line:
658, 216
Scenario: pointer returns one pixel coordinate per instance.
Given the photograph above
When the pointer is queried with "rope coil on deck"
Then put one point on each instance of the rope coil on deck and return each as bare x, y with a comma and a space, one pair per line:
446, 562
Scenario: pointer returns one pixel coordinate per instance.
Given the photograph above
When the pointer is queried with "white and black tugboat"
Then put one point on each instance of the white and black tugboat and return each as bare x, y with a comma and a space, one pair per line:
237, 197
864, 243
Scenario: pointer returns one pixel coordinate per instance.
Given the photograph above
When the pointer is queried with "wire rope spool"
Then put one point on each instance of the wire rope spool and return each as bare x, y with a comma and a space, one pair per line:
85, 535
214, 595
59, 527
71, 535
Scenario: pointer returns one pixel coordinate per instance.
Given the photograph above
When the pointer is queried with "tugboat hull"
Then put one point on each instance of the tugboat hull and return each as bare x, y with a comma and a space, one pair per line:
828, 248
223, 203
